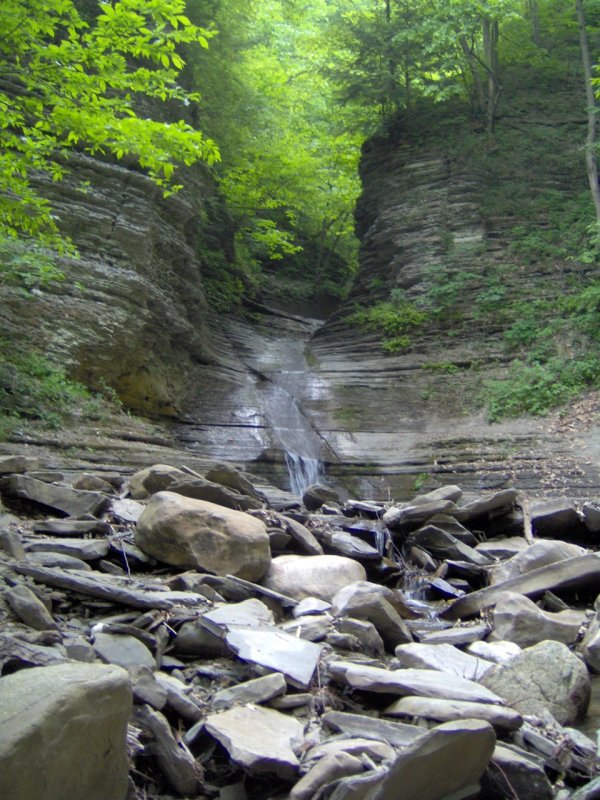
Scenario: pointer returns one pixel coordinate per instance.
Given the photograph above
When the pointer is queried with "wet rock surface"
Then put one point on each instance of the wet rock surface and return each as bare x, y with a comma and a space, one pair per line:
302, 688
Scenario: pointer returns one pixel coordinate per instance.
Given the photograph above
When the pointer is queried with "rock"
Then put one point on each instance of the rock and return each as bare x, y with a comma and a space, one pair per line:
362, 632
443, 545
395, 734
29, 608
497, 652
310, 605
545, 678
518, 775
49, 559
83, 549
591, 516
302, 536
457, 636
73, 717
126, 510
590, 645
355, 746
185, 532
259, 690
174, 759
498, 502
578, 572
258, 739
296, 658
71, 502
92, 483
517, 619
329, 769
10, 543
447, 762
448, 710
399, 518
17, 464
178, 699
591, 791
345, 544
421, 682
150, 480
201, 489
537, 555
442, 657
73, 527
250, 613
79, 650
146, 688
125, 651
228, 475
312, 576
313, 628
364, 600
193, 639
554, 517
454, 528
453, 493
504, 548
315, 496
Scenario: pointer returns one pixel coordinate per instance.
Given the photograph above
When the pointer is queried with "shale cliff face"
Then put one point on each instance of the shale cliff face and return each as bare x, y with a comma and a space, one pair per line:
438, 223
132, 313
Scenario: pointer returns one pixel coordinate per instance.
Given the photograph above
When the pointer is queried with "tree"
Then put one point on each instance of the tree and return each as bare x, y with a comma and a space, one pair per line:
592, 110
71, 84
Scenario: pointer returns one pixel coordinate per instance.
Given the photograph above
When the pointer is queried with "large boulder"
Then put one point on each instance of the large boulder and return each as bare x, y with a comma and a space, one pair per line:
312, 576
63, 733
539, 554
545, 679
200, 535
157, 478
517, 619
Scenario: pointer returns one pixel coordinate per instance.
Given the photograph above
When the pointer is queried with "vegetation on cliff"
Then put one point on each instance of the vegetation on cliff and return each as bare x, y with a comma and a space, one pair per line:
278, 96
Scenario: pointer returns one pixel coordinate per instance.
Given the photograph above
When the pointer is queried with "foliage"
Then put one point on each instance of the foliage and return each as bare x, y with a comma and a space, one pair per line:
26, 263
72, 84
35, 389
392, 320
538, 388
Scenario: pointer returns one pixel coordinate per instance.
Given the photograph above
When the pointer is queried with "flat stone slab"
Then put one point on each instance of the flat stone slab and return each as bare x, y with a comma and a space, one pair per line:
84, 549
396, 734
71, 502
123, 650
442, 657
579, 571
448, 710
249, 613
269, 647
259, 690
425, 682
259, 739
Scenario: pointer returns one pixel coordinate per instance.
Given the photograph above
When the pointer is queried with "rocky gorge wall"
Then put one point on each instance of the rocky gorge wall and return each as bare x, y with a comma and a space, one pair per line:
434, 208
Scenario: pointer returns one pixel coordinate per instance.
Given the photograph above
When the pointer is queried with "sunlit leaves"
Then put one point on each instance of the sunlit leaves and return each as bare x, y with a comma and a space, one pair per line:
69, 84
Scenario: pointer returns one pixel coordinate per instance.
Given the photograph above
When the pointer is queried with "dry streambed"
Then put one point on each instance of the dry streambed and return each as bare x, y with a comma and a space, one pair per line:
180, 635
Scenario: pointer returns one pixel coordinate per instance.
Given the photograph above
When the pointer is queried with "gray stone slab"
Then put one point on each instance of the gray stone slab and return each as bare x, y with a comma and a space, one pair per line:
259, 739
425, 682
125, 651
582, 571
259, 690
84, 549
442, 657
249, 613
71, 502
396, 734
269, 647
447, 710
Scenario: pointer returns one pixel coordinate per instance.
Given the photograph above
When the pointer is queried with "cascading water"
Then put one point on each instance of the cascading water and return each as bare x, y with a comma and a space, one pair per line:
284, 363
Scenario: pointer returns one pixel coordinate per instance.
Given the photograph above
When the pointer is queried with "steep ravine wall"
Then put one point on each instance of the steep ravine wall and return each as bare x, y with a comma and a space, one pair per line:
428, 209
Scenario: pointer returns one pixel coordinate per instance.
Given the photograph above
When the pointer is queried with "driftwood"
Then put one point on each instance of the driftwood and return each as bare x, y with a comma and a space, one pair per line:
523, 502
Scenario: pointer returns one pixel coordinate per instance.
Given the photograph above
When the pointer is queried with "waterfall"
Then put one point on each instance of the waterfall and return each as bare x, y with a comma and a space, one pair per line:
303, 471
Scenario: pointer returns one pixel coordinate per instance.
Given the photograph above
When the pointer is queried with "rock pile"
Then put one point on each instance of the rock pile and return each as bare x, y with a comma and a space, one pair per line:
180, 635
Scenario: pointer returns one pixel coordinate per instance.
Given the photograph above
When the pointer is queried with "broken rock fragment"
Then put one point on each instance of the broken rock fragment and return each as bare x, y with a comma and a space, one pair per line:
259, 739
312, 576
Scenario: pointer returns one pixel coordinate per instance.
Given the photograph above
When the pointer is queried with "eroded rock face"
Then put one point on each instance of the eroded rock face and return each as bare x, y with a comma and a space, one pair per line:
194, 533
62, 733
546, 677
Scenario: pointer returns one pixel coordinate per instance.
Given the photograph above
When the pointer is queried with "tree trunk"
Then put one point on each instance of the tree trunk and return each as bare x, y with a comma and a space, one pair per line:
475, 72
590, 149
534, 15
491, 34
